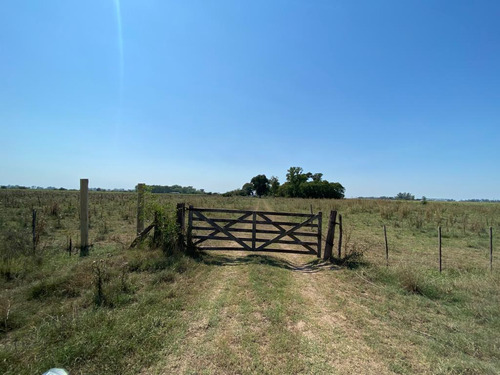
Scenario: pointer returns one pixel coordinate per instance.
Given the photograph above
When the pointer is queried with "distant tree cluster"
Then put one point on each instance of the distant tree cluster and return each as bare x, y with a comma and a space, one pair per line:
479, 200
174, 189
20, 187
405, 197
298, 185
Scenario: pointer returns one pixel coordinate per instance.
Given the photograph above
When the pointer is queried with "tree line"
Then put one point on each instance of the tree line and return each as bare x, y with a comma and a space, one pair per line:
298, 185
174, 189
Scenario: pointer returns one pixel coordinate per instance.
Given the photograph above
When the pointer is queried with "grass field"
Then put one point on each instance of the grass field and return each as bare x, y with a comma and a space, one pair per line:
129, 311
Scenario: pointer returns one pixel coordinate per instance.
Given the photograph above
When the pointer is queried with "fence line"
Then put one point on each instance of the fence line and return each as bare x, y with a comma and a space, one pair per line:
417, 257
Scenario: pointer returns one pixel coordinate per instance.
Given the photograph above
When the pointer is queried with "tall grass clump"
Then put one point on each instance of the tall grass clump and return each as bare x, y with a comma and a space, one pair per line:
409, 279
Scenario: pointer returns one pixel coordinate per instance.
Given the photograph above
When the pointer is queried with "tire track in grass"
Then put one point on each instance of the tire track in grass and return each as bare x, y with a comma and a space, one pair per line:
345, 311
330, 344
241, 326
202, 317
259, 315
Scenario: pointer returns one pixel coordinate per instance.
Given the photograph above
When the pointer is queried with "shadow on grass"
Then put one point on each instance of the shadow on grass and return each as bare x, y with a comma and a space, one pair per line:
315, 265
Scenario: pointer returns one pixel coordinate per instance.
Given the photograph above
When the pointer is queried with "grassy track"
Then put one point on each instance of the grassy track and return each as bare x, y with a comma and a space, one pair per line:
240, 313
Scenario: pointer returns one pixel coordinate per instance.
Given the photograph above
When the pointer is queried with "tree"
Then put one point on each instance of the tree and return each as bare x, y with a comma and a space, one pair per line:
275, 184
317, 177
260, 184
297, 185
295, 178
405, 196
323, 189
247, 188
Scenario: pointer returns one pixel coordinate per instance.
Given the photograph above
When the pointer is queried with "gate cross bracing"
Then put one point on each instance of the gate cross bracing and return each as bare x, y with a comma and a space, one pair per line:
255, 230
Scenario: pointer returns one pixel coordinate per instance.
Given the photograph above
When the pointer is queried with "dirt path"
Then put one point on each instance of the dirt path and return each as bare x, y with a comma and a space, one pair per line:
270, 314
325, 326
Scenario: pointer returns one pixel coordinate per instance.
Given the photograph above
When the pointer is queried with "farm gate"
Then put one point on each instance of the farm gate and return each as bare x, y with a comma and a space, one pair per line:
255, 230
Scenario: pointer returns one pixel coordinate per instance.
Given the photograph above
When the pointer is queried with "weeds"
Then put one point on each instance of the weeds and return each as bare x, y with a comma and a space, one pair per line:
53, 287
54, 209
353, 257
99, 269
5, 308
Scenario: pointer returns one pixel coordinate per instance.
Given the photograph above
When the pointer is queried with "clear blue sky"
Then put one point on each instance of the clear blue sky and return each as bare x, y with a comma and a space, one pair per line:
382, 96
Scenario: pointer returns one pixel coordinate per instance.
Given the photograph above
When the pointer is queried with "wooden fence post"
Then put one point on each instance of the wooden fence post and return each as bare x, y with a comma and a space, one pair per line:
330, 235
33, 227
190, 228
84, 216
340, 236
491, 249
181, 210
140, 207
320, 228
386, 248
440, 254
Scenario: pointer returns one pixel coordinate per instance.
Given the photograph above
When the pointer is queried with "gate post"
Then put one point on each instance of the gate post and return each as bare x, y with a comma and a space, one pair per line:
190, 227
140, 207
181, 209
320, 227
330, 236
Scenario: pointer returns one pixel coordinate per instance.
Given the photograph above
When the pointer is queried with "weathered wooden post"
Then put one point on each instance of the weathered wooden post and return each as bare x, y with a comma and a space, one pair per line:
340, 236
84, 216
320, 228
140, 207
190, 227
33, 228
386, 248
181, 211
330, 235
491, 249
440, 254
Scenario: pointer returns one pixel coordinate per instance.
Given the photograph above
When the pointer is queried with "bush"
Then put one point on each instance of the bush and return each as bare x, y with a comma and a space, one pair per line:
353, 258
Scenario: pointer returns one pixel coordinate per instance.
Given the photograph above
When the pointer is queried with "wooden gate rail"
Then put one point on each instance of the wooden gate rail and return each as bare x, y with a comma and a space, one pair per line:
285, 232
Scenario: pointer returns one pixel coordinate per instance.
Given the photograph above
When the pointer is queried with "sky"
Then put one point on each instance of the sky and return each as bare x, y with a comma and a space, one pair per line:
381, 96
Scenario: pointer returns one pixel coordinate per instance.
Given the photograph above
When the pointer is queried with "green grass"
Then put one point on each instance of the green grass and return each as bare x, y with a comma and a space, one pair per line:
59, 323
138, 311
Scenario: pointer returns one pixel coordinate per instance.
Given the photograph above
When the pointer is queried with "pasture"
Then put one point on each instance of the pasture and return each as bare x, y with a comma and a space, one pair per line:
129, 311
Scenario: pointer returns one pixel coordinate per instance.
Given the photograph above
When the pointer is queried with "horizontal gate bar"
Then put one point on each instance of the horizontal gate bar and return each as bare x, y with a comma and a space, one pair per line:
289, 242
243, 230
257, 251
260, 222
247, 211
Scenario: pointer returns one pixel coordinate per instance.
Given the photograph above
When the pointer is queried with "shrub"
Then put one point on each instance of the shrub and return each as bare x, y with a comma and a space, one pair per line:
353, 256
